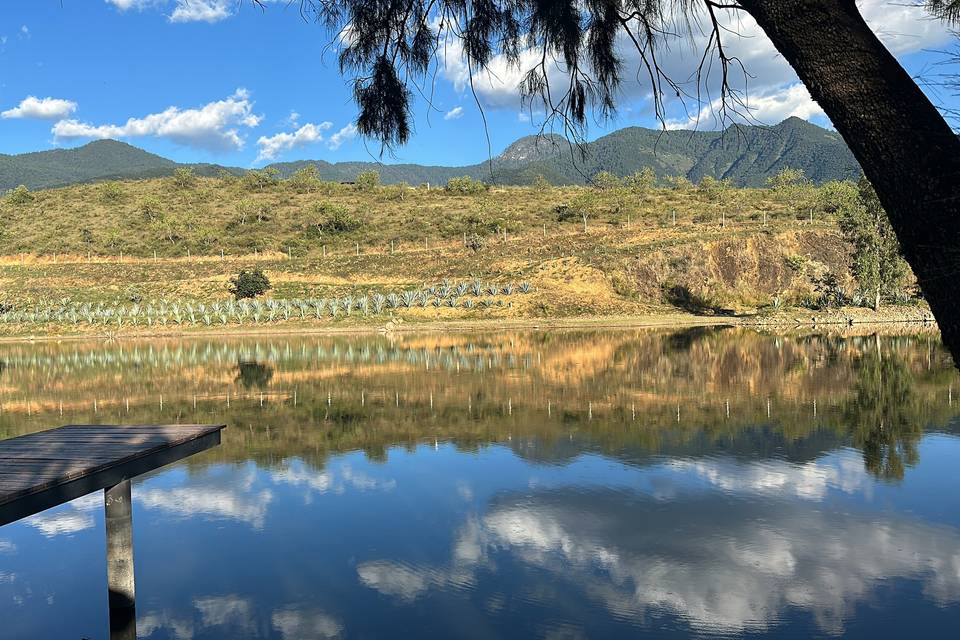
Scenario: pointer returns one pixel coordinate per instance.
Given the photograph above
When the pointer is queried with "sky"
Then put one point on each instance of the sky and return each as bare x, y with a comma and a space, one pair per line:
223, 81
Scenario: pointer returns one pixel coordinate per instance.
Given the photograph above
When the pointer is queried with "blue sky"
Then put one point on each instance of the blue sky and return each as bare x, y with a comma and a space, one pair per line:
222, 81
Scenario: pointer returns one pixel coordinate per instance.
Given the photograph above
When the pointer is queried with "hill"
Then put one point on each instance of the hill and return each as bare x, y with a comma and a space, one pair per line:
746, 155
98, 160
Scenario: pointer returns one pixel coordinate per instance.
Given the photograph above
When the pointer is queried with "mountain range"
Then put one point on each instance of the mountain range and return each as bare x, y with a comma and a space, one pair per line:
747, 155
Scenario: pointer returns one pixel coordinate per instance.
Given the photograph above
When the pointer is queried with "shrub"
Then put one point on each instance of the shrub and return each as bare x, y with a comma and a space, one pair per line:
606, 181
183, 178
336, 219
261, 179
465, 185
20, 196
368, 180
152, 208
305, 180
540, 183
252, 209
249, 284
111, 192
475, 242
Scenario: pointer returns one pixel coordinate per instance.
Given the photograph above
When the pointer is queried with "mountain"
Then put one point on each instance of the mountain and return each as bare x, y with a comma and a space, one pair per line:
747, 155
99, 160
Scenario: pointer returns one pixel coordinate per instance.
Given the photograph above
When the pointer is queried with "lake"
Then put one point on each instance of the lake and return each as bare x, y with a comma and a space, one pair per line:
705, 482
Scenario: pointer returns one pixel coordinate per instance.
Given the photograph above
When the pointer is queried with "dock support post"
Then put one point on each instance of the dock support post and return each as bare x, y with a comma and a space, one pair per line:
118, 513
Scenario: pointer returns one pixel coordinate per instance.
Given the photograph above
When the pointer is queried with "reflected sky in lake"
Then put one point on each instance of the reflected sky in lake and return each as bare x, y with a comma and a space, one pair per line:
570, 485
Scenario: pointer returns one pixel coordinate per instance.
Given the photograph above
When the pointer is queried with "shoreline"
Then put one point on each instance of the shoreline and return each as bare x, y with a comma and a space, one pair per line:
782, 322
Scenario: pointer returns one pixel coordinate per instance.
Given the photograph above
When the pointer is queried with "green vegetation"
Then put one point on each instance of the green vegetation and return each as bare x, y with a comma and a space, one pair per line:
878, 265
622, 247
249, 284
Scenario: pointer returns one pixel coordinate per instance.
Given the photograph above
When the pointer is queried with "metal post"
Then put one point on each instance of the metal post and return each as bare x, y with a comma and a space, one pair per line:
118, 513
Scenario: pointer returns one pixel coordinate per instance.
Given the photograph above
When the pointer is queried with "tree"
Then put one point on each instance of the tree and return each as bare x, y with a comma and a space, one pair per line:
641, 182
877, 262
261, 179
368, 180
606, 181
20, 196
904, 145
183, 178
305, 179
249, 284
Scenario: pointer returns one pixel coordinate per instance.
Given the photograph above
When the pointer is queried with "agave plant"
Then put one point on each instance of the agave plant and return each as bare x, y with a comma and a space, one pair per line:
468, 303
409, 297
393, 301
508, 289
437, 301
525, 287
444, 290
363, 304
493, 290
378, 301
452, 301
334, 305
347, 302
477, 287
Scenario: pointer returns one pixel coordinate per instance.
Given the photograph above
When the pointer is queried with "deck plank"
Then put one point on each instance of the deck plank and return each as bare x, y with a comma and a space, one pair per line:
41, 470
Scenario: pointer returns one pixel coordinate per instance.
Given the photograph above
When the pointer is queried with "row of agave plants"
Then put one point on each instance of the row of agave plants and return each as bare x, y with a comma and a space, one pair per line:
467, 295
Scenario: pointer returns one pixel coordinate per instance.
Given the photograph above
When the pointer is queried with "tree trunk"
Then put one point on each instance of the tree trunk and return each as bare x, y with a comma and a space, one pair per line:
876, 299
903, 144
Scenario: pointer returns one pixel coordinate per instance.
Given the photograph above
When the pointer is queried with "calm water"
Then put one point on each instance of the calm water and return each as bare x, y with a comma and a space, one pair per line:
556, 485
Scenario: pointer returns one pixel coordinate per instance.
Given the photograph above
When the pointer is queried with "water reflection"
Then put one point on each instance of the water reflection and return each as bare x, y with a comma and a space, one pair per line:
581, 484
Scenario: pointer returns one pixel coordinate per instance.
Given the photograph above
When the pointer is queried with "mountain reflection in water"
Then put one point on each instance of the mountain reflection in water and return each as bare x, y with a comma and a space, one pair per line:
563, 484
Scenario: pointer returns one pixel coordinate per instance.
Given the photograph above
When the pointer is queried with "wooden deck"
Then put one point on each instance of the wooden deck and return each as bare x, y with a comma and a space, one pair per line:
44, 469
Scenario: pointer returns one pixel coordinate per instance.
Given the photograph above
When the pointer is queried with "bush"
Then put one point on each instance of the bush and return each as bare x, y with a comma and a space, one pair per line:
475, 242
606, 181
466, 185
20, 196
336, 219
111, 192
183, 178
305, 180
261, 179
249, 284
368, 180
152, 208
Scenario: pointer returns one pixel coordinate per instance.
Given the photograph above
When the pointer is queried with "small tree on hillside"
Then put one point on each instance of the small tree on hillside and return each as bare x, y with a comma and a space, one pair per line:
641, 183
606, 181
878, 264
261, 179
20, 196
249, 284
368, 180
540, 183
183, 178
306, 179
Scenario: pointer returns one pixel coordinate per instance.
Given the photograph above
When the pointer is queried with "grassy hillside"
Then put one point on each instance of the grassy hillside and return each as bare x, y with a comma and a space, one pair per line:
160, 243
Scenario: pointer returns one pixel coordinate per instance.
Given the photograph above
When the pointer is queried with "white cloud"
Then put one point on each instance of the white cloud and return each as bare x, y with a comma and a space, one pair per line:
24, 31
124, 5
43, 108
272, 146
202, 10
213, 127
346, 133
294, 624
454, 114
769, 107
730, 569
